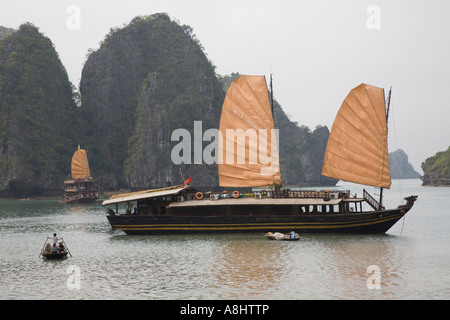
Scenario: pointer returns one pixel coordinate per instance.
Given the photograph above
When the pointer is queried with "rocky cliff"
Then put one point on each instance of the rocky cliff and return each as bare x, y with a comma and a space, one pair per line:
301, 152
146, 80
436, 169
152, 77
37, 114
400, 166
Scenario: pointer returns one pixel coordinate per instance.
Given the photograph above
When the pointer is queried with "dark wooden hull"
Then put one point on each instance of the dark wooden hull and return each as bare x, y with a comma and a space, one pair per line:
374, 222
54, 256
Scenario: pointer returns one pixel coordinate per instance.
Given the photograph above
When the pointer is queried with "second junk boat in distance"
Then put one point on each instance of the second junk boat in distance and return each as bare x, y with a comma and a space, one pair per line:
80, 189
357, 151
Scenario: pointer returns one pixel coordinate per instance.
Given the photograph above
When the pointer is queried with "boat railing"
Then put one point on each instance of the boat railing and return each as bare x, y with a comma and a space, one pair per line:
372, 201
287, 193
330, 194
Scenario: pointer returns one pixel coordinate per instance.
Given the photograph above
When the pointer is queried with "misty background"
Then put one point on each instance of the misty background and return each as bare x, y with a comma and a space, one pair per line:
317, 51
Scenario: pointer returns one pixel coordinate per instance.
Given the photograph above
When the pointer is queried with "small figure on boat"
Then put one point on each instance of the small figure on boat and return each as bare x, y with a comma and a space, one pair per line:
48, 249
55, 239
292, 236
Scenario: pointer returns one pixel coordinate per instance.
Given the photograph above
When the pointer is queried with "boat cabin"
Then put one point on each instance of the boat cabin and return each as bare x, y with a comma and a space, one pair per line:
186, 201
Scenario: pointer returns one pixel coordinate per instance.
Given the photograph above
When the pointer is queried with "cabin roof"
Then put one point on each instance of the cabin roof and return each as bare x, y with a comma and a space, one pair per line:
139, 195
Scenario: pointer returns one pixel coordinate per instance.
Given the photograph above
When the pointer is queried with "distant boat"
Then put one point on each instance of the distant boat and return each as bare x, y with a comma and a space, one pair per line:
81, 188
357, 151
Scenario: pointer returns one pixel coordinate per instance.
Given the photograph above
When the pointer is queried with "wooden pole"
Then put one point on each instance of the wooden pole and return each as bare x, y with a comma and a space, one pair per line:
387, 117
66, 246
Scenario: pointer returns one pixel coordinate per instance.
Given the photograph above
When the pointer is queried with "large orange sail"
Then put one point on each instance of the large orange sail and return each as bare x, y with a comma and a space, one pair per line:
357, 149
80, 164
248, 142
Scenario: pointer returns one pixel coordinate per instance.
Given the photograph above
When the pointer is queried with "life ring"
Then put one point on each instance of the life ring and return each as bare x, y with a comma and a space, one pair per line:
199, 196
235, 194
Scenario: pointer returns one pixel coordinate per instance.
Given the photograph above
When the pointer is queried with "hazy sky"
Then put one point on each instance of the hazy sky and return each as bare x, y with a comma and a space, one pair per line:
317, 50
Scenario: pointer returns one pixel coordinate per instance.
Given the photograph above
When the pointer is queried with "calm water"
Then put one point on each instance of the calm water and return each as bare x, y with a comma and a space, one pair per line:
413, 258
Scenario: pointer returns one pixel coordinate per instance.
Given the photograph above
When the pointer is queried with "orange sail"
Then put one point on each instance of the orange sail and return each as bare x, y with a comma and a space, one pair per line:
357, 149
248, 142
80, 165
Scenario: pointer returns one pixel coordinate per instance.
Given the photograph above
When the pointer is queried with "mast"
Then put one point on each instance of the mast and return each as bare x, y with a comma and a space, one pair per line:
387, 117
276, 186
271, 94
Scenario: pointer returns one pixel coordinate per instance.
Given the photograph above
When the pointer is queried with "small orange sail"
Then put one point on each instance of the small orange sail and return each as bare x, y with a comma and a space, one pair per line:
80, 164
357, 149
248, 142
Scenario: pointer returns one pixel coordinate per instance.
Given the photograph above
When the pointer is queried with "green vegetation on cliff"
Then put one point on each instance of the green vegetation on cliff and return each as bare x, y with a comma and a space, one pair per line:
147, 79
436, 169
37, 114
4, 32
152, 77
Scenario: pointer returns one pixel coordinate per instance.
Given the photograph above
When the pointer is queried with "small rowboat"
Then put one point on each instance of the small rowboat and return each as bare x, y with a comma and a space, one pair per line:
57, 252
293, 236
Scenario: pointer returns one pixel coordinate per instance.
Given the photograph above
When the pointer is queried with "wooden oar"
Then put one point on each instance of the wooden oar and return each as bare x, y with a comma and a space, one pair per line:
66, 246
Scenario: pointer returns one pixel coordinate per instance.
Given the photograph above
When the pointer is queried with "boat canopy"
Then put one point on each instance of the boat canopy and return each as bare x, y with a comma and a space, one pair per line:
139, 195
80, 164
357, 149
248, 150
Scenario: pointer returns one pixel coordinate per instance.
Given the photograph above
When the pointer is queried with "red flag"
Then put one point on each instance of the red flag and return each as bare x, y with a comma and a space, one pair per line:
188, 181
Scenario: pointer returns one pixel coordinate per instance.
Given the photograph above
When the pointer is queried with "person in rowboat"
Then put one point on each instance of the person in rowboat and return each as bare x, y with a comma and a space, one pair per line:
55, 239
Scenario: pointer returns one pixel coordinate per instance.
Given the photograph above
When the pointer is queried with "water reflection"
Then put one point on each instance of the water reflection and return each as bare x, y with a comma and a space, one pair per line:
345, 259
249, 266
413, 264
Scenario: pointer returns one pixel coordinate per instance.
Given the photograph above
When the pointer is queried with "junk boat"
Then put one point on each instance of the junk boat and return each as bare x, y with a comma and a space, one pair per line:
357, 151
81, 188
